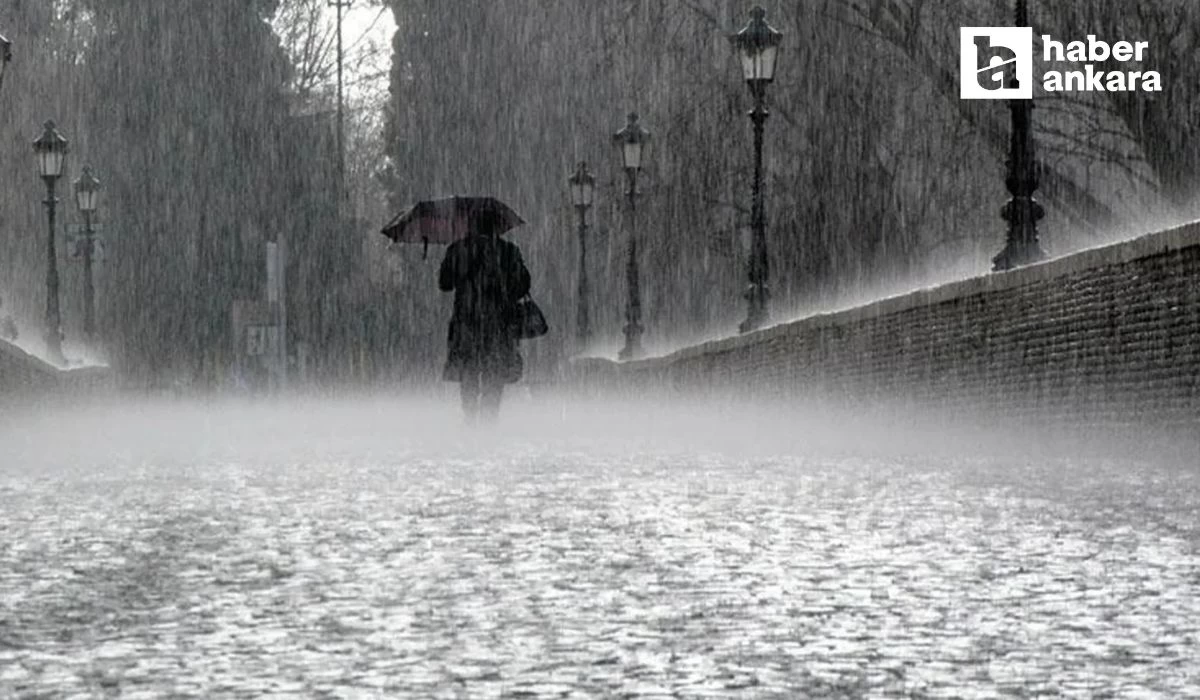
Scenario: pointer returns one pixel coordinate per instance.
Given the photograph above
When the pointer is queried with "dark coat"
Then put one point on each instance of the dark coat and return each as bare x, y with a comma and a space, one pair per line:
488, 277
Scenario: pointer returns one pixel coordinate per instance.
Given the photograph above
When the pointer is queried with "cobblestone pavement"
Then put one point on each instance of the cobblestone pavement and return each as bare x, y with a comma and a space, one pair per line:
349, 550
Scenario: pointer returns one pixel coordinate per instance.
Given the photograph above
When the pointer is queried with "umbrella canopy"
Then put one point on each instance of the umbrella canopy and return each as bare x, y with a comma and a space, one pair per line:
447, 220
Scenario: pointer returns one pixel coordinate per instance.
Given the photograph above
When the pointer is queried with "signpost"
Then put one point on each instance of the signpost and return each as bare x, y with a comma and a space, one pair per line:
276, 300
258, 340
260, 329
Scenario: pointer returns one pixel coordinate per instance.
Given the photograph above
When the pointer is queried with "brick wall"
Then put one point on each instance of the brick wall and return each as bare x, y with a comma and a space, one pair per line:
1106, 335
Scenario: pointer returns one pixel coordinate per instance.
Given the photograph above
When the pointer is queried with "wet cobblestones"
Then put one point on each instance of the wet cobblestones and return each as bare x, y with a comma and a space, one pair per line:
183, 565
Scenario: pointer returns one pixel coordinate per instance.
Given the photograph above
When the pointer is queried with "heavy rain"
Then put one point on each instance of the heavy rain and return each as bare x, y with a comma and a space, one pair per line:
599, 348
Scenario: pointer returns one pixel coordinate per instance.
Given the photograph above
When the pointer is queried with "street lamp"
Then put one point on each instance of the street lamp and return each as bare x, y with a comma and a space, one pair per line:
5, 56
51, 150
758, 46
630, 143
87, 196
583, 189
1022, 212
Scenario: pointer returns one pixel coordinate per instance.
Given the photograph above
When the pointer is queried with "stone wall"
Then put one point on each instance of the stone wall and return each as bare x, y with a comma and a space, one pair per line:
24, 377
1106, 335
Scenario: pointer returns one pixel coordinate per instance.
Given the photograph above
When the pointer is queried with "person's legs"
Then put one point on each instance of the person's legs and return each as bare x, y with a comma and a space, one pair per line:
470, 388
491, 391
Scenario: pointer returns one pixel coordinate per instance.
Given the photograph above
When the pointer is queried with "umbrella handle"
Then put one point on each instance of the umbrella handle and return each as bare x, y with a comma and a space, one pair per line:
425, 250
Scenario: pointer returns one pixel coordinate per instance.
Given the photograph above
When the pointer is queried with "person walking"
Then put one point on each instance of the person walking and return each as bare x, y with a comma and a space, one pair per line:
488, 277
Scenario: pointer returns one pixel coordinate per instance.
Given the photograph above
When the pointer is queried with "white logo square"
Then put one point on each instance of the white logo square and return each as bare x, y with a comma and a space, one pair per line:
990, 57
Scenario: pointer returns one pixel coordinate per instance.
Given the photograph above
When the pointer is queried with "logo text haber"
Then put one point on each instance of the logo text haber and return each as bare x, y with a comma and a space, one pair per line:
1090, 79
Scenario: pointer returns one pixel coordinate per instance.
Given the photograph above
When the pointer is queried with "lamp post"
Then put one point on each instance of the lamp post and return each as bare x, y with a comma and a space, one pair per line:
630, 142
51, 150
583, 188
5, 56
1022, 212
87, 196
758, 46
341, 6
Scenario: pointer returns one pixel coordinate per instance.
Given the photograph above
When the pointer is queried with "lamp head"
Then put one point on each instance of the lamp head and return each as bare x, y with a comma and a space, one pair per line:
757, 45
583, 186
87, 191
51, 150
630, 142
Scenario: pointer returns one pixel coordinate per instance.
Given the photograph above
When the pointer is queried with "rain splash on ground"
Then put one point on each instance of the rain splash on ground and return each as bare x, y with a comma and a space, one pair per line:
375, 548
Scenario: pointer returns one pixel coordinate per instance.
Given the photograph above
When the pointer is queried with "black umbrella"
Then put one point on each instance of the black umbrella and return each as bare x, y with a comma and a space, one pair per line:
445, 221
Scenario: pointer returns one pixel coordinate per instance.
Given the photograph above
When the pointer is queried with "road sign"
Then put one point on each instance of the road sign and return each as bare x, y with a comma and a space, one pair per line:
78, 248
80, 230
77, 238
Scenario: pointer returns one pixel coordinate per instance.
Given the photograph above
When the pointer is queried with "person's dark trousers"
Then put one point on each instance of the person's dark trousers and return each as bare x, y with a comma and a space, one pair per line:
481, 395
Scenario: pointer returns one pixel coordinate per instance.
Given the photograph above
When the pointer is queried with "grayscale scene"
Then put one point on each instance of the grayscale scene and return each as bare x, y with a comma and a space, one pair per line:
599, 349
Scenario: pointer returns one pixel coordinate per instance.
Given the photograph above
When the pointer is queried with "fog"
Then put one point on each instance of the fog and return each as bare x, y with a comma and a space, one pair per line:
427, 424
